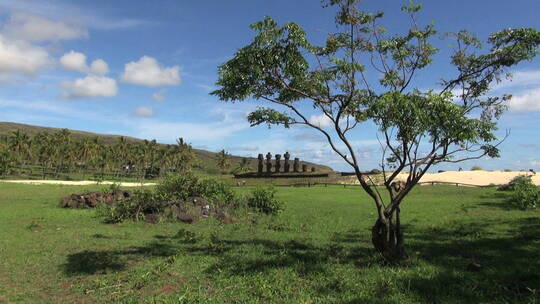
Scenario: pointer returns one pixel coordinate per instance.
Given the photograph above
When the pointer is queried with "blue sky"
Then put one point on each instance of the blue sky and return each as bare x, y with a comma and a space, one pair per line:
145, 68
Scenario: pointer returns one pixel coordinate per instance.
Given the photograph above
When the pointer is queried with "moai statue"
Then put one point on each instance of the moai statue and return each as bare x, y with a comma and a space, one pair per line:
269, 163
260, 167
278, 162
313, 169
304, 168
286, 166
296, 165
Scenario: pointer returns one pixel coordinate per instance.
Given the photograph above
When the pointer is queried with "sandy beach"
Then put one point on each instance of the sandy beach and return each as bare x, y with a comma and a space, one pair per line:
75, 183
477, 178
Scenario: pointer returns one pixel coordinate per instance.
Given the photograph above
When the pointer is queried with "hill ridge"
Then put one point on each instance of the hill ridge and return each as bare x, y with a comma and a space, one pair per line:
205, 156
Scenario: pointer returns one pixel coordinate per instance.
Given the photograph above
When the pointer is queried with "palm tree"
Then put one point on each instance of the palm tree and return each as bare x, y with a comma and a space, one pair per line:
223, 161
19, 143
184, 157
243, 165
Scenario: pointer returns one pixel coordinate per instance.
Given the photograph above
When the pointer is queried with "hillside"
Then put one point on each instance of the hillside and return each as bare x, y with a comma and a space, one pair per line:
207, 158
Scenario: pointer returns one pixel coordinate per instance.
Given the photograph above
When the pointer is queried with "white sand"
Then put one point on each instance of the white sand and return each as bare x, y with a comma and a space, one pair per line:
477, 178
75, 183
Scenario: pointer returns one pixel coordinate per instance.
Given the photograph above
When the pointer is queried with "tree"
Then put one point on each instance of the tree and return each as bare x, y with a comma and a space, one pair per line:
183, 156
418, 128
20, 145
243, 165
223, 161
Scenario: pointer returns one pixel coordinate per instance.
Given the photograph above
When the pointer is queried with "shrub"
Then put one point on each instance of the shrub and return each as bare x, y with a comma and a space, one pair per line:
507, 170
263, 200
182, 187
518, 180
525, 194
218, 192
175, 189
179, 186
476, 168
143, 201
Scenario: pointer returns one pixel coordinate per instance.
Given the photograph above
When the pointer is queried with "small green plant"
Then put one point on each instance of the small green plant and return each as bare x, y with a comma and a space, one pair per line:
179, 186
518, 180
476, 168
263, 200
184, 186
179, 189
112, 188
526, 194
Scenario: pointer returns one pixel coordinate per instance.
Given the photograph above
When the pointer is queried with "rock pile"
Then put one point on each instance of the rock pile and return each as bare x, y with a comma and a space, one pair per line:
92, 199
194, 209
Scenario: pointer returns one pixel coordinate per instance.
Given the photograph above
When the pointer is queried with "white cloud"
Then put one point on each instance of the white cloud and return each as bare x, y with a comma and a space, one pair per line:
143, 112
159, 95
76, 61
24, 26
320, 120
522, 78
527, 101
89, 86
148, 72
17, 57
99, 67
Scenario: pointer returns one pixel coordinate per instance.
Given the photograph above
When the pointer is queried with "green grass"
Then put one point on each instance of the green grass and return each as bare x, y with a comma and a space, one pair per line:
317, 251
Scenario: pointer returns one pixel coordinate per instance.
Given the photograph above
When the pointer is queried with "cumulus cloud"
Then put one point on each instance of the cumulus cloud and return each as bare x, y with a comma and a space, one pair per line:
320, 120
24, 26
523, 78
17, 57
148, 72
76, 61
89, 86
99, 67
143, 112
527, 101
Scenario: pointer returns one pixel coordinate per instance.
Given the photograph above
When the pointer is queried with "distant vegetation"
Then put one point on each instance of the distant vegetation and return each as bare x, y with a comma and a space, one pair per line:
206, 162
476, 168
51, 154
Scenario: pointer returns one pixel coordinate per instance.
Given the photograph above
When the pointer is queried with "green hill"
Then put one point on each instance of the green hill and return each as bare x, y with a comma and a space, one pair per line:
207, 158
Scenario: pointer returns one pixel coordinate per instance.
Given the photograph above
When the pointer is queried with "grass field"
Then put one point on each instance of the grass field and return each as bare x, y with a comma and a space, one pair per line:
317, 251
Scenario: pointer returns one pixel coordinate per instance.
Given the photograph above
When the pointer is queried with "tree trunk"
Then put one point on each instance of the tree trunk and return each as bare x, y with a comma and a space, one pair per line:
387, 237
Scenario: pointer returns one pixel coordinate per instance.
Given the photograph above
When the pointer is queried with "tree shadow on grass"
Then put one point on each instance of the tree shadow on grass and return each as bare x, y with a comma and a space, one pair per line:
92, 262
500, 200
300, 255
509, 272
510, 269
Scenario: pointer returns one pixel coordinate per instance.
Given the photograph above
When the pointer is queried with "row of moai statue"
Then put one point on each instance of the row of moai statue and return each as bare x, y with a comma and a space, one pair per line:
277, 164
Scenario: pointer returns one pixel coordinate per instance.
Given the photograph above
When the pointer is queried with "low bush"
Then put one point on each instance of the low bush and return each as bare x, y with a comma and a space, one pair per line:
187, 185
188, 198
180, 197
142, 202
526, 194
518, 180
263, 200
476, 168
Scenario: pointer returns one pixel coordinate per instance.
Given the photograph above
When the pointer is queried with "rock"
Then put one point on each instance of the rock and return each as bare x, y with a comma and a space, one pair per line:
186, 218
474, 267
152, 218
198, 201
92, 199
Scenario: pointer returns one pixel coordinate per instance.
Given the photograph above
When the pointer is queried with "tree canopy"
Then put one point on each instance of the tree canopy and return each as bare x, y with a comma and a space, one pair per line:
365, 73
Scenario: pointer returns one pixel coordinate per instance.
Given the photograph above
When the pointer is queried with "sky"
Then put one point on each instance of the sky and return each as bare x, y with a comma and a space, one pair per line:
145, 69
